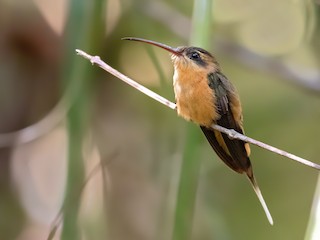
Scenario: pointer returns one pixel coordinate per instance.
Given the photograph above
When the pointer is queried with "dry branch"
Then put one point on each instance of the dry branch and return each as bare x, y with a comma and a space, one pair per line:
230, 132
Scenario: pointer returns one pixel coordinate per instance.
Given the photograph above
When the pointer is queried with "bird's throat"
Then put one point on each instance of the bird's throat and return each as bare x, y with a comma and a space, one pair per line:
195, 99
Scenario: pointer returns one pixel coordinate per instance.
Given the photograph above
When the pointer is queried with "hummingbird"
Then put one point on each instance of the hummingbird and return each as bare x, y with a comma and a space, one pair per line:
205, 96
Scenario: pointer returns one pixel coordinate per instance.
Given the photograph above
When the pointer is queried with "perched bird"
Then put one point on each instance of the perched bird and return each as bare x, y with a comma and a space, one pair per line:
205, 96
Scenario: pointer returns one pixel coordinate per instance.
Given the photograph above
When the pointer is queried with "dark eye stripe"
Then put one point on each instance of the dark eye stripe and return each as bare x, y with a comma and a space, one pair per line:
195, 56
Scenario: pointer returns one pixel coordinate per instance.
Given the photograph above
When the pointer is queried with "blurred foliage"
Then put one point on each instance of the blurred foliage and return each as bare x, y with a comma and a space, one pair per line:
268, 27
36, 47
84, 29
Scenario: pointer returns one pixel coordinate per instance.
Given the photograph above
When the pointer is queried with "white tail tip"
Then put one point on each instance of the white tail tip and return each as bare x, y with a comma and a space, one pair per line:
260, 197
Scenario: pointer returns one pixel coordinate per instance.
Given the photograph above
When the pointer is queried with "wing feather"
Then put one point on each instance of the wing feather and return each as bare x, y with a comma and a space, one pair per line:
235, 153
232, 151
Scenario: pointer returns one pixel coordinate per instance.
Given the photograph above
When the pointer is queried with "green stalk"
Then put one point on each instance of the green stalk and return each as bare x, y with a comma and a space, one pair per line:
158, 67
83, 27
313, 229
190, 169
201, 24
165, 87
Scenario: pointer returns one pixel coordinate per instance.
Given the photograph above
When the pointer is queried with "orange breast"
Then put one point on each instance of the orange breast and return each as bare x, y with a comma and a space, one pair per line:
195, 99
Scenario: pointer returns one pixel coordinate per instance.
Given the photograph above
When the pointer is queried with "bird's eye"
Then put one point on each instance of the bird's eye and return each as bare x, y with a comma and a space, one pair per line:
194, 56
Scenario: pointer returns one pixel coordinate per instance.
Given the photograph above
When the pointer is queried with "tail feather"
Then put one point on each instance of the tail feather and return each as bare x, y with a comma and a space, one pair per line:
256, 189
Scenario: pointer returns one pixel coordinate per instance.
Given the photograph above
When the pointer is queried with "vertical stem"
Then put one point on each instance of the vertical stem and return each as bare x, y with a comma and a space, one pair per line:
201, 24
190, 169
313, 229
83, 27
75, 172
188, 183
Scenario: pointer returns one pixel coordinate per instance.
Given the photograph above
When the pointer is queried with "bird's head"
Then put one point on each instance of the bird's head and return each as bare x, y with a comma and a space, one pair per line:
186, 58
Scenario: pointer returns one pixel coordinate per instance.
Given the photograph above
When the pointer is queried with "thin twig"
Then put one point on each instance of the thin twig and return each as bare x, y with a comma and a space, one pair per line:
230, 132
97, 60
235, 135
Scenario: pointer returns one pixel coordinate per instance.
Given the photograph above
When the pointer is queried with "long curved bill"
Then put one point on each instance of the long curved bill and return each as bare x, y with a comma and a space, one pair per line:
175, 51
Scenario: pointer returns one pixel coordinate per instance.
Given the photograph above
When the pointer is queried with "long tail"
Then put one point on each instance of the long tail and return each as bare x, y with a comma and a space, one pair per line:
256, 189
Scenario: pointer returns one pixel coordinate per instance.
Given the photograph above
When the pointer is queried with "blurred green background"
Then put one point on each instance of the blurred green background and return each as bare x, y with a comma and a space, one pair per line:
80, 117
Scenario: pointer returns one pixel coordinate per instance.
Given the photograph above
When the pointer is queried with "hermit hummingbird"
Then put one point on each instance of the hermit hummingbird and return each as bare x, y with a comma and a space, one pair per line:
205, 96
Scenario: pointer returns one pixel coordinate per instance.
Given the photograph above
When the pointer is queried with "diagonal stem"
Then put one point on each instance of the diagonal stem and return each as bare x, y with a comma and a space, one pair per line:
230, 132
